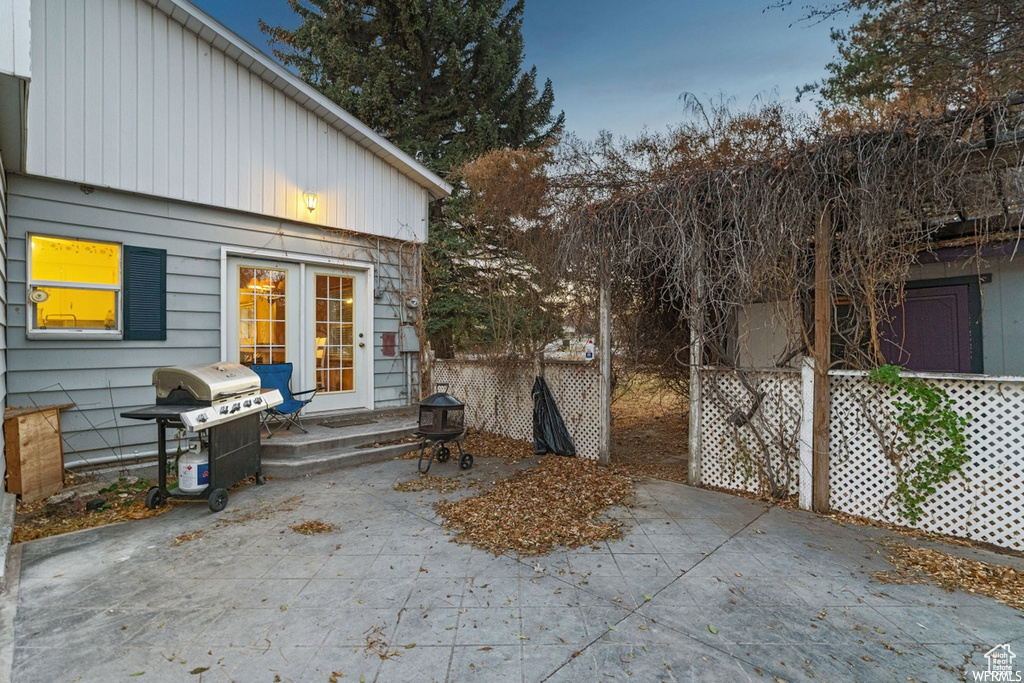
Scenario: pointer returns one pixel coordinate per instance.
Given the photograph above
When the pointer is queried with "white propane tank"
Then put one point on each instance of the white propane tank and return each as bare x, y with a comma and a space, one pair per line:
193, 471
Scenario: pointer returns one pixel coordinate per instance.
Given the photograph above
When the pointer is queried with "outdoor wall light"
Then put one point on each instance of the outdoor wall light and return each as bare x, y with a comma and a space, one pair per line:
310, 199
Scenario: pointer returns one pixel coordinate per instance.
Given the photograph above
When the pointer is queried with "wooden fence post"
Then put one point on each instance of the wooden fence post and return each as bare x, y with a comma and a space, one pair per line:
822, 357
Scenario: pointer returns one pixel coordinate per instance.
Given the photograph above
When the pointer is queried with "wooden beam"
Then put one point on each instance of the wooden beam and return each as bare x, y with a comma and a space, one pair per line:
822, 358
605, 365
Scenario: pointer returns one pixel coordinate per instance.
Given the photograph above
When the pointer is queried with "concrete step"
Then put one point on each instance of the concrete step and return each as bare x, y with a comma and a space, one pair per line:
325, 440
355, 439
301, 465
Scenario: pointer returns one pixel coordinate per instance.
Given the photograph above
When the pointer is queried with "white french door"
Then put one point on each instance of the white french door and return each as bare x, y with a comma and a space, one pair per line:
339, 315
317, 317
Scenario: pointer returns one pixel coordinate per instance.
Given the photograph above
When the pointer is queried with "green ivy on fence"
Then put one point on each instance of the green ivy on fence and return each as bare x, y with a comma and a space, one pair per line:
930, 445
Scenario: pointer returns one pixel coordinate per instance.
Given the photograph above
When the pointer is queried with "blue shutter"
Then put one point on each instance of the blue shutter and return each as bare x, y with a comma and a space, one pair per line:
145, 294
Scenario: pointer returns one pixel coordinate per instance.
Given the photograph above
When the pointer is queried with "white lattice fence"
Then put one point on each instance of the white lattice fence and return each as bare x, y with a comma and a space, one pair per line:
987, 504
733, 447
498, 397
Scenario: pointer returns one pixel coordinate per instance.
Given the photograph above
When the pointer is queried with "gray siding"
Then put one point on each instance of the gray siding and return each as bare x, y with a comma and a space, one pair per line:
3, 310
105, 377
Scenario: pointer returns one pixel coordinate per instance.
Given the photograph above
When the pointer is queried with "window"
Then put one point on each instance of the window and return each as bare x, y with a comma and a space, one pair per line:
75, 285
335, 346
261, 315
102, 289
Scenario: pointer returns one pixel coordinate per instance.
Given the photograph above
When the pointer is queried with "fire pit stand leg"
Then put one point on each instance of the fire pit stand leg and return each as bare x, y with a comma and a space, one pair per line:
433, 451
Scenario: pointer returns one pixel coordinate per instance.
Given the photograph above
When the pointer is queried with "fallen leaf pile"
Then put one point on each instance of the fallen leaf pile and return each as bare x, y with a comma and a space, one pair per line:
124, 502
556, 503
922, 565
484, 445
313, 526
42, 519
425, 481
487, 445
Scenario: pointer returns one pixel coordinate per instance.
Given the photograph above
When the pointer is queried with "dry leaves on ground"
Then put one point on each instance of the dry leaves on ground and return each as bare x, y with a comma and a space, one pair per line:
43, 527
845, 518
556, 503
123, 502
425, 481
649, 431
260, 509
485, 445
922, 565
670, 471
185, 538
313, 526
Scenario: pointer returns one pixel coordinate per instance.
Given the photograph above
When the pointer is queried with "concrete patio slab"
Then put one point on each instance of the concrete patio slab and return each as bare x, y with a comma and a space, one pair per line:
704, 586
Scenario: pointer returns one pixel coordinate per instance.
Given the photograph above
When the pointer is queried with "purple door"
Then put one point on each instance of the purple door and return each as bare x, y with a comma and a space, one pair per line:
930, 331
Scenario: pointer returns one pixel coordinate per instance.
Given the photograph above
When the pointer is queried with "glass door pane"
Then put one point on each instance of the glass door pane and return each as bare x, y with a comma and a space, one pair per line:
261, 315
335, 344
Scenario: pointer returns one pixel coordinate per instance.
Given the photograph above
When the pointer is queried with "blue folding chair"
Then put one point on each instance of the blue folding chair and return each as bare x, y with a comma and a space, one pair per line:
279, 376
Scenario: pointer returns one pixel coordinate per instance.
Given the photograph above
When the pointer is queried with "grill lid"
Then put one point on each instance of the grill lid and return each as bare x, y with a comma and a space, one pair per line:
205, 382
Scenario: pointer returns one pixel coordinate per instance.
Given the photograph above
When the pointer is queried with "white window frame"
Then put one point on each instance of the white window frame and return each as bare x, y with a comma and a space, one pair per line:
32, 329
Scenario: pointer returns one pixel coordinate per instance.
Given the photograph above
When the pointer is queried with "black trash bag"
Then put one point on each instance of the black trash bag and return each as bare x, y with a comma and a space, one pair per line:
549, 432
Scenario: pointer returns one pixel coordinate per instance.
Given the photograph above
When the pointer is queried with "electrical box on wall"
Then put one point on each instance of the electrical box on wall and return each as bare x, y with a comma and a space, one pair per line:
410, 340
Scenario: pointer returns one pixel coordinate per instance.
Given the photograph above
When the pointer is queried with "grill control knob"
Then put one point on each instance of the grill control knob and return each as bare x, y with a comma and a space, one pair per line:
223, 410
236, 407
257, 400
202, 417
247, 403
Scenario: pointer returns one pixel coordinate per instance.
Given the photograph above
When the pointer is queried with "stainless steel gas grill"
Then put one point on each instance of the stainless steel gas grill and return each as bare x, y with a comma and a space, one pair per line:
220, 405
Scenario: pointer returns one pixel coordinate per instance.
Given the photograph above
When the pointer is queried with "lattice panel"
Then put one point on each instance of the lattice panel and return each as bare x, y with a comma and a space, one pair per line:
987, 504
732, 448
498, 397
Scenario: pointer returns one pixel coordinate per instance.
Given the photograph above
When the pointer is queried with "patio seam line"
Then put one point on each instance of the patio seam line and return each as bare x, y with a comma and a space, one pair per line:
636, 609
458, 615
518, 559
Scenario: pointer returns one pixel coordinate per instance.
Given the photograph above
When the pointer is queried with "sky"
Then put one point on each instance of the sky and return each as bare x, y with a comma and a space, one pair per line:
622, 65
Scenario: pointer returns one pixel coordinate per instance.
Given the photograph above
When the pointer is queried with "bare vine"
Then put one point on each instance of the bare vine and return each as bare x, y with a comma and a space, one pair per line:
723, 217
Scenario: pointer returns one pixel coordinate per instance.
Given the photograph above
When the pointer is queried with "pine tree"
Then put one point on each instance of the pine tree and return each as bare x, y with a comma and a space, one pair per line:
443, 80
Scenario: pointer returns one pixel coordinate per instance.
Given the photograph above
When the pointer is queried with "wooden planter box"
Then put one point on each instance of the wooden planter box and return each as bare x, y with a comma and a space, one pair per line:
35, 453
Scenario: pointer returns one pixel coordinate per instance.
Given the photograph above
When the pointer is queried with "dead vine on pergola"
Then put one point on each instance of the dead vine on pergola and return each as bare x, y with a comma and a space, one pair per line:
712, 239
720, 238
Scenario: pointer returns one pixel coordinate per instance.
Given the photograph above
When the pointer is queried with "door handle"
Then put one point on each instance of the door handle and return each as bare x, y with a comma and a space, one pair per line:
362, 344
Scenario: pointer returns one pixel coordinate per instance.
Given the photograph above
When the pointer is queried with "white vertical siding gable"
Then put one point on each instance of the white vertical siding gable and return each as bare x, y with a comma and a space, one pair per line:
15, 56
143, 96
